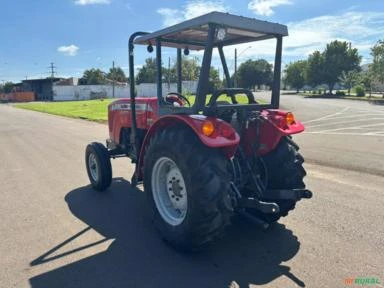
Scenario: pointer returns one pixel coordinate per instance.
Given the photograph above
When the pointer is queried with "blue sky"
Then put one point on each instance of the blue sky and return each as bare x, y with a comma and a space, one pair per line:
81, 34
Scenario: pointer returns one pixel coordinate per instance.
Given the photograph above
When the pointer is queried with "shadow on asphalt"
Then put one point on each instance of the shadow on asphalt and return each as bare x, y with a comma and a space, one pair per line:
138, 258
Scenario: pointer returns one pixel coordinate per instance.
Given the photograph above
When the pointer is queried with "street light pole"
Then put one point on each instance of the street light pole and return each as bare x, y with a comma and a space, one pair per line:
235, 75
113, 79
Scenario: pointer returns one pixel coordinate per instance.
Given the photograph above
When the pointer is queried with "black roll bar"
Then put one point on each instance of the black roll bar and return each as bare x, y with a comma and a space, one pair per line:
133, 138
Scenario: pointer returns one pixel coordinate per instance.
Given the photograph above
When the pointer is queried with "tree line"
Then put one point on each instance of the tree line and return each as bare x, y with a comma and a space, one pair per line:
337, 63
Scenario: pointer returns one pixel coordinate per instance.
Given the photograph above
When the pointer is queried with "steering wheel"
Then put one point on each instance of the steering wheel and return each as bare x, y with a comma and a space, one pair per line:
173, 97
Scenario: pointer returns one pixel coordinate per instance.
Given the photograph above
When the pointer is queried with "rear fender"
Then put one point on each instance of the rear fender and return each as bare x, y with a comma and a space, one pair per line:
272, 129
224, 137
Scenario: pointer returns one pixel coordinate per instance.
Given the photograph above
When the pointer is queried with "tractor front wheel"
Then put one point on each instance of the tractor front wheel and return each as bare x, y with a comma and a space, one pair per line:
187, 189
98, 165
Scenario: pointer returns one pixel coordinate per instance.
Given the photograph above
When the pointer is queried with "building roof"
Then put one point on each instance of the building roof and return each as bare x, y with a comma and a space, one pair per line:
41, 80
193, 33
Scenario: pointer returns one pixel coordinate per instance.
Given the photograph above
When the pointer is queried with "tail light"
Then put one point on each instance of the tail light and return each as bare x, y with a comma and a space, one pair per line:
290, 118
207, 128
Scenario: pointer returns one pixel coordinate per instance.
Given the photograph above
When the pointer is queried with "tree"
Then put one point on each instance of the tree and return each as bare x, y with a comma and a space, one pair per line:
296, 74
93, 77
339, 57
377, 52
367, 80
7, 87
315, 69
147, 73
214, 79
190, 68
349, 79
117, 74
252, 73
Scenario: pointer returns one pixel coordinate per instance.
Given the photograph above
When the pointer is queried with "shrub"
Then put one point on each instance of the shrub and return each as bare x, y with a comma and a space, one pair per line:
340, 93
319, 92
360, 91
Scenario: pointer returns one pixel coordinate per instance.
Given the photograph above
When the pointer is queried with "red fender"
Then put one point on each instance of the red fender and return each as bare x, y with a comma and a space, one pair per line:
272, 129
223, 137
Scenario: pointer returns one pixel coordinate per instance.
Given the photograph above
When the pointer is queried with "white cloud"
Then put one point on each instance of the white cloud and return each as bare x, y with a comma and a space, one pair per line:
264, 7
70, 50
190, 10
91, 2
171, 16
362, 29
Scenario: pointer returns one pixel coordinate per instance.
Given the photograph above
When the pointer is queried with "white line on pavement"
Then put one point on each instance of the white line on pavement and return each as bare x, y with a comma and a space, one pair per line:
327, 116
344, 122
346, 128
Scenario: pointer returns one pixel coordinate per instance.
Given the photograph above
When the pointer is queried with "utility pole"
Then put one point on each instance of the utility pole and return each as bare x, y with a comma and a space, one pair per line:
52, 67
113, 79
235, 75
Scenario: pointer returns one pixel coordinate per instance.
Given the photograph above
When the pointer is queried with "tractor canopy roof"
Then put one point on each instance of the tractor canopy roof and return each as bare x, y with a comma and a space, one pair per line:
235, 30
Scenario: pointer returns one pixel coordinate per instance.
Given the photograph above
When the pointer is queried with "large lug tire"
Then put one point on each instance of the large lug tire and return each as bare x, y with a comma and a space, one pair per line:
98, 165
186, 184
285, 171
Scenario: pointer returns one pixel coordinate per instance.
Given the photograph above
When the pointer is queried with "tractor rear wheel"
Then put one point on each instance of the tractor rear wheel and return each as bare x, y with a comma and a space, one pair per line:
98, 165
187, 189
285, 171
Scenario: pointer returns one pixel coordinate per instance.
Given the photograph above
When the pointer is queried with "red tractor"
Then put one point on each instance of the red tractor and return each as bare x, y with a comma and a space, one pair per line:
202, 163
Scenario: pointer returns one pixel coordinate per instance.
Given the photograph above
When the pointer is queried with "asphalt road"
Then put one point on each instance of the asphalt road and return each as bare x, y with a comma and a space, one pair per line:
57, 232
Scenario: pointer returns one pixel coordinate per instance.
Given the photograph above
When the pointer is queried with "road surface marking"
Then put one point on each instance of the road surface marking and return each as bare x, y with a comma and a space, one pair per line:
360, 115
343, 122
346, 128
346, 133
327, 116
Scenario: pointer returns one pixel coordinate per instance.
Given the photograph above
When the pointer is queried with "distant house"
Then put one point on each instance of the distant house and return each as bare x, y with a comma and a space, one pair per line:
41, 87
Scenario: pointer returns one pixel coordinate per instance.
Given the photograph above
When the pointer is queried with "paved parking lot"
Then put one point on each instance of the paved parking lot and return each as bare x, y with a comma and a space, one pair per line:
57, 232
348, 121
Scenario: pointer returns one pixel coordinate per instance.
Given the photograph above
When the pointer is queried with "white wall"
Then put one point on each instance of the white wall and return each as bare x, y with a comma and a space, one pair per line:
85, 92
150, 89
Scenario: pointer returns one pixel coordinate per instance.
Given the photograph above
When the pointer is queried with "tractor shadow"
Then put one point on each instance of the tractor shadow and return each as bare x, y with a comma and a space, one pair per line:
137, 257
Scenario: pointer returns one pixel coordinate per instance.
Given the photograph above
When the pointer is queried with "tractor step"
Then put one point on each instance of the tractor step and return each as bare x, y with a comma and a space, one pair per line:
287, 194
264, 207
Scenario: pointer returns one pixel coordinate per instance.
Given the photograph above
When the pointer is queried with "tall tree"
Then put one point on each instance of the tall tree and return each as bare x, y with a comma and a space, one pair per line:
367, 79
377, 52
147, 73
117, 74
190, 68
296, 74
7, 87
93, 77
349, 79
315, 69
214, 79
339, 57
255, 73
